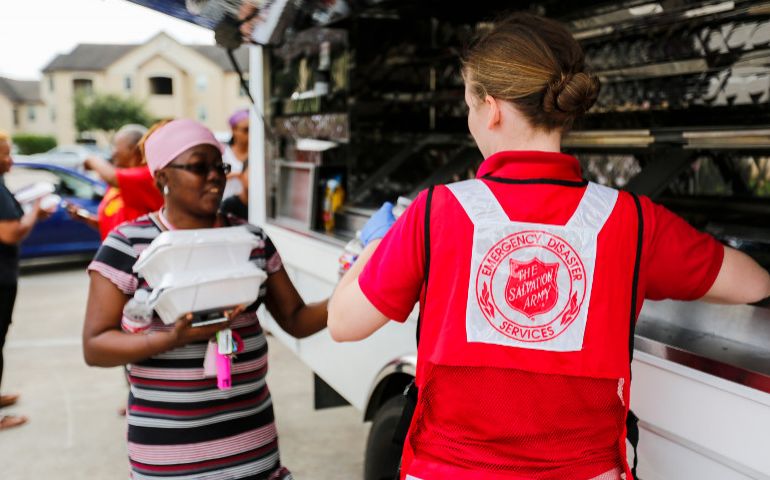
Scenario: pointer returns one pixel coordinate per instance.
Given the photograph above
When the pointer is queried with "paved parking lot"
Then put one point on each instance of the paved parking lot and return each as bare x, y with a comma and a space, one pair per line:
74, 430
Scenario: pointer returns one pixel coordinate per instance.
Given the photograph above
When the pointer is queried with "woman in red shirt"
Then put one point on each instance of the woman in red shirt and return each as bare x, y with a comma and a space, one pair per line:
523, 361
132, 191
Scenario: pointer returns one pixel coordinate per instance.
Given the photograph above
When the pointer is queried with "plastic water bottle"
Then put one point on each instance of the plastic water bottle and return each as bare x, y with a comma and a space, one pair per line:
352, 250
401, 205
137, 313
354, 247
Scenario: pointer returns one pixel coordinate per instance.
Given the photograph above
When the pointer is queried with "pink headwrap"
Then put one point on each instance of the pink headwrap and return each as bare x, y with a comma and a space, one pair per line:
173, 138
238, 117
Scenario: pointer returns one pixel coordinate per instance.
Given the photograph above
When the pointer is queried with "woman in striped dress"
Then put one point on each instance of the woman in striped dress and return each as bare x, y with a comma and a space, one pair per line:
180, 425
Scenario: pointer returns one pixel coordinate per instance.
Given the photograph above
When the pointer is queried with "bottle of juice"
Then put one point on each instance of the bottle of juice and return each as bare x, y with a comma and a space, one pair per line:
334, 197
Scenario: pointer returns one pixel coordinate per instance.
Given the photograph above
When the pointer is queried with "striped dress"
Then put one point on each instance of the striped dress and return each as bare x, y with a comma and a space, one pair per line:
180, 425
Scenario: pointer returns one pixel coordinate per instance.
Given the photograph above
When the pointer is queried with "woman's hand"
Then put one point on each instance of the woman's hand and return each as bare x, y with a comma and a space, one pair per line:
76, 212
40, 213
233, 313
105, 345
72, 210
379, 224
184, 332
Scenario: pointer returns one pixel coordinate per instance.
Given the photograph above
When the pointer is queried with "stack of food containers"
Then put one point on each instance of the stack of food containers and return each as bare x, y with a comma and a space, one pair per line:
203, 272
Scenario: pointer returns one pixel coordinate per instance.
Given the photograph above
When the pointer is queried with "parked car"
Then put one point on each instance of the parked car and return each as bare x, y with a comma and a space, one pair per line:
69, 156
58, 236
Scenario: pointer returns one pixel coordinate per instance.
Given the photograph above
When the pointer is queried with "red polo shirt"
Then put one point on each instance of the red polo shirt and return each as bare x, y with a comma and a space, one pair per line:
140, 194
678, 262
135, 196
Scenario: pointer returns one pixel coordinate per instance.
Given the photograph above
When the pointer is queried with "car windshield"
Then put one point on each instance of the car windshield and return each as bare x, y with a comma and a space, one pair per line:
66, 184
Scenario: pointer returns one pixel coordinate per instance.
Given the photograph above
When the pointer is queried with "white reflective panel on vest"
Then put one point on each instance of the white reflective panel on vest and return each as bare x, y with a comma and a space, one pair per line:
530, 284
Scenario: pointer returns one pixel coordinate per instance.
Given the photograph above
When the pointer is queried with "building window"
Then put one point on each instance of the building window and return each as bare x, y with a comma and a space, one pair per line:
15, 117
201, 82
161, 86
53, 114
202, 114
50, 83
83, 85
127, 83
31, 114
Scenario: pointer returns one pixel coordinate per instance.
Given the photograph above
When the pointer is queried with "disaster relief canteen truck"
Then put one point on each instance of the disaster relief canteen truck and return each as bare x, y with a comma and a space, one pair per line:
359, 102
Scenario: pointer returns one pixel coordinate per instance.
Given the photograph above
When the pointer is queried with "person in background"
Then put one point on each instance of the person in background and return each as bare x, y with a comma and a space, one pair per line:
15, 225
533, 283
238, 205
180, 425
236, 151
132, 191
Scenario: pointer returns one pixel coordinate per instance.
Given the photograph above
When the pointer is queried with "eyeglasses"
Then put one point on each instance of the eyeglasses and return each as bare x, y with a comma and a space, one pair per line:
203, 169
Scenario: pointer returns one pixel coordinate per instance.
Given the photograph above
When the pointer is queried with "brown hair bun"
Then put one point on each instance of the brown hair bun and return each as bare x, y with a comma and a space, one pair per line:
572, 94
535, 64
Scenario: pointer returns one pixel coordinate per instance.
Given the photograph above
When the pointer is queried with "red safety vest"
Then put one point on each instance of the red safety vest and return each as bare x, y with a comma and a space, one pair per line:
531, 379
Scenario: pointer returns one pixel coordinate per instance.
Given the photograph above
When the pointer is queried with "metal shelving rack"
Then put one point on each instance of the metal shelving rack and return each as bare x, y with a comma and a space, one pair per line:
682, 80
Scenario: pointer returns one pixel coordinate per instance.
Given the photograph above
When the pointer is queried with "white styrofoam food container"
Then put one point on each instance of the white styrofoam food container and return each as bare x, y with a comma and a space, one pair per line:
34, 191
181, 293
190, 251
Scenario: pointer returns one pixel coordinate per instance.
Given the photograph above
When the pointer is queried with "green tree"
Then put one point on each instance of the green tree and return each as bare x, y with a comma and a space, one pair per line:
29, 143
108, 112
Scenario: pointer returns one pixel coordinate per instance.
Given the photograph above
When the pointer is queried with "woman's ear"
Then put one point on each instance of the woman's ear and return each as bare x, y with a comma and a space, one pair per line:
493, 112
160, 179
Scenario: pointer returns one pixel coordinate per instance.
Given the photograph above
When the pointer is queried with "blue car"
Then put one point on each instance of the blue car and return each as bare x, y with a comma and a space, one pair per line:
59, 236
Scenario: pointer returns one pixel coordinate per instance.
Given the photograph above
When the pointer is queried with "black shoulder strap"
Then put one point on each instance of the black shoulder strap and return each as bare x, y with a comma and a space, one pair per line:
426, 235
410, 393
632, 421
635, 284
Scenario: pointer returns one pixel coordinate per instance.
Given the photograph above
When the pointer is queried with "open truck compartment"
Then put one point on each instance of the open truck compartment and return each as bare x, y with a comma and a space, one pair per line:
683, 117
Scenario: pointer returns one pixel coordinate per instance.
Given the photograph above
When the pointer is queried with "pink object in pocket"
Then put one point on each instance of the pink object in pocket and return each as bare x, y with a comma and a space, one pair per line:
223, 372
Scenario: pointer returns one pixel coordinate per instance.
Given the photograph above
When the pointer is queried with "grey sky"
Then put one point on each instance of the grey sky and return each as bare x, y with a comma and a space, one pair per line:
32, 32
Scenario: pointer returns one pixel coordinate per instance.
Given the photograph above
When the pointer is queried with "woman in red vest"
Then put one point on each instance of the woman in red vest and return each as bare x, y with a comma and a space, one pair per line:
534, 279
132, 191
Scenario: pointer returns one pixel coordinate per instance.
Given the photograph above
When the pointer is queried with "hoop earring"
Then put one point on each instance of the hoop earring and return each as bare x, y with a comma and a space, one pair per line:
165, 189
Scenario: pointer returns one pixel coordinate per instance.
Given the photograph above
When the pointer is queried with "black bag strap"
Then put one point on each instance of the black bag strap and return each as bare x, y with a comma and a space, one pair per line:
426, 275
635, 284
410, 392
632, 421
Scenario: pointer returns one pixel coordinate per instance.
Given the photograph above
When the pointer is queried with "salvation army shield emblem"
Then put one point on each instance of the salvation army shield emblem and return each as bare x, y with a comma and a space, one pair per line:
531, 287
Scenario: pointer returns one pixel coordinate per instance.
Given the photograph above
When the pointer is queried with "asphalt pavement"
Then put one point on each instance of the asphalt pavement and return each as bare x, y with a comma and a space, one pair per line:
75, 431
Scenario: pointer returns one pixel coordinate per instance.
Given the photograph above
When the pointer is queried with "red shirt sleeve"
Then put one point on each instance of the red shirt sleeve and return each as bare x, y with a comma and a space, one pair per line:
393, 278
111, 211
138, 189
678, 261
